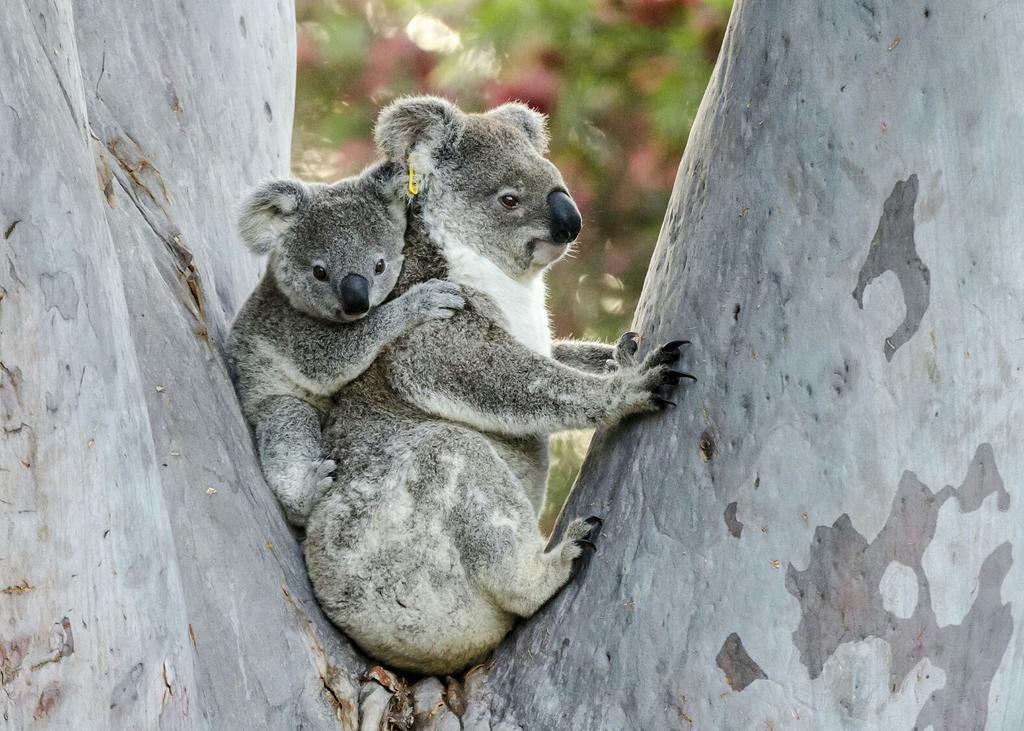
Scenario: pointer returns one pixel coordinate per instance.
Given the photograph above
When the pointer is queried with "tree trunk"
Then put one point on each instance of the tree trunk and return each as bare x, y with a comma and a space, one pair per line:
822, 534
146, 574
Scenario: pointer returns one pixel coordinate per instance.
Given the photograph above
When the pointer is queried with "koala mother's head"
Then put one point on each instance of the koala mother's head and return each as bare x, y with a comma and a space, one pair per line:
335, 250
483, 180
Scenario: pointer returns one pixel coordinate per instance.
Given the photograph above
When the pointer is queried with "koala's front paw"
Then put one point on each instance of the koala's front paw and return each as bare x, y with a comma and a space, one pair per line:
579, 535
436, 299
624, 355
316, 481
647, 382
320, 477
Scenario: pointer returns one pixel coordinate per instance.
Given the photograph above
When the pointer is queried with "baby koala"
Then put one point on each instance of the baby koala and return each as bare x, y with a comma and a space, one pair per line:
316, 320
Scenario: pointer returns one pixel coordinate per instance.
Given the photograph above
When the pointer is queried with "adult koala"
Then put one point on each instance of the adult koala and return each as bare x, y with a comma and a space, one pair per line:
427, 549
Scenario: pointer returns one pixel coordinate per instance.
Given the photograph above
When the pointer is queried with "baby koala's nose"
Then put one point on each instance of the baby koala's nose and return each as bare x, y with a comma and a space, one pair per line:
355, 294
566, 220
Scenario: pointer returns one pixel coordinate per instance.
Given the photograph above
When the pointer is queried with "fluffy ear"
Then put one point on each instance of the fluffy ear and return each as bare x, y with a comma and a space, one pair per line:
530, 121
388, 183
420, 122
268, 211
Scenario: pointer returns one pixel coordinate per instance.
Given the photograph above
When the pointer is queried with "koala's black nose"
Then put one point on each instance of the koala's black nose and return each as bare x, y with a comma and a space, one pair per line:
566, 221
355, 294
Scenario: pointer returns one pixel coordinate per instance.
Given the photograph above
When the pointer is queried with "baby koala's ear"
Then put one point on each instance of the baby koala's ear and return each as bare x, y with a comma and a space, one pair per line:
388, 184
267, 213
420, 123
391, 192
530, 121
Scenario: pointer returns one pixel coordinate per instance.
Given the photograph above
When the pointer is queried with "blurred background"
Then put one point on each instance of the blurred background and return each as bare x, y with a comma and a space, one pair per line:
621, 81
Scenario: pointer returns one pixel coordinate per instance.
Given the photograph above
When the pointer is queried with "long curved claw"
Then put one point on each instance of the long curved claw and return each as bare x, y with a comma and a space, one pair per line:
674, 345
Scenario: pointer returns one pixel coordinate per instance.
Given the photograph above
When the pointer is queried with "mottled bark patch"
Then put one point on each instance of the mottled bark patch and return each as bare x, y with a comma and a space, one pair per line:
48, 700
706, 446
12, 657
732, 522
893, 250
739, 668
60, 293
127, 689
840, 599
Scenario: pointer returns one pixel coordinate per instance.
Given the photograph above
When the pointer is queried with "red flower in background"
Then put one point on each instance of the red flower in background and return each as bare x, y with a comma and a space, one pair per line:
656, 13
395, 60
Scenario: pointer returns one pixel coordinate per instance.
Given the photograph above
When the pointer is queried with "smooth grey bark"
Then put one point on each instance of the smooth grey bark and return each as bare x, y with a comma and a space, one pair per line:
147, 575
824, 534
786, 549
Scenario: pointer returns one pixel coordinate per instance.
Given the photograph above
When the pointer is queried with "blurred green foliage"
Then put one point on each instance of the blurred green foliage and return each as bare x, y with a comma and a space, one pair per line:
621, 81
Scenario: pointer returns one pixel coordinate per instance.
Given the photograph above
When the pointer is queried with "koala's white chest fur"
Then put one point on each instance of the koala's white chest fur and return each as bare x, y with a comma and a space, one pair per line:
523, 304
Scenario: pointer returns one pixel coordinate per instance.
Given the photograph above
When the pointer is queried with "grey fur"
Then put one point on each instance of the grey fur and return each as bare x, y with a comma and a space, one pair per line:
597, 357
530, 121
428, 549
292, 345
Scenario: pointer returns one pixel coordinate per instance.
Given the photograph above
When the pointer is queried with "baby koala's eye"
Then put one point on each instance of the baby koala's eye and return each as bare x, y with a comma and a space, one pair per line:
509, 200
320, 273
380, 267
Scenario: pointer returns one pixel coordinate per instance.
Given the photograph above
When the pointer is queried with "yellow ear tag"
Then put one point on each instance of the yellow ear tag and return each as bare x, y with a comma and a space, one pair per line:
413, 187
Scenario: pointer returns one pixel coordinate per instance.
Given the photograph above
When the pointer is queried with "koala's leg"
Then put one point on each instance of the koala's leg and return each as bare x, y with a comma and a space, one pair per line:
498, 541
289, 441
525, 578
469, 370
512, 567
584, 355
598, 357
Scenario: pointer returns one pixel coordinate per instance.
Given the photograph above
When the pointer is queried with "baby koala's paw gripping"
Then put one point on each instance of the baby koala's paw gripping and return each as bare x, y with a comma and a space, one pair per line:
579, 535
321, 476
436, 299
315, 483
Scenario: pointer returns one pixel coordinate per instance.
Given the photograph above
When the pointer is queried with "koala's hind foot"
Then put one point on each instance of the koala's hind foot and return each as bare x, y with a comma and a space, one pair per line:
580, 535
524, 579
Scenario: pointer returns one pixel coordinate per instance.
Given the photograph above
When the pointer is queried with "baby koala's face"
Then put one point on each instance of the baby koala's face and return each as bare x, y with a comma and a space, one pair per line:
342, 256
337, 249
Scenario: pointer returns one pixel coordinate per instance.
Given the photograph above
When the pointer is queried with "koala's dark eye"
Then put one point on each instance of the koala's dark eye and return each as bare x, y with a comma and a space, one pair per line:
509, 201
320, 273
380, 267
